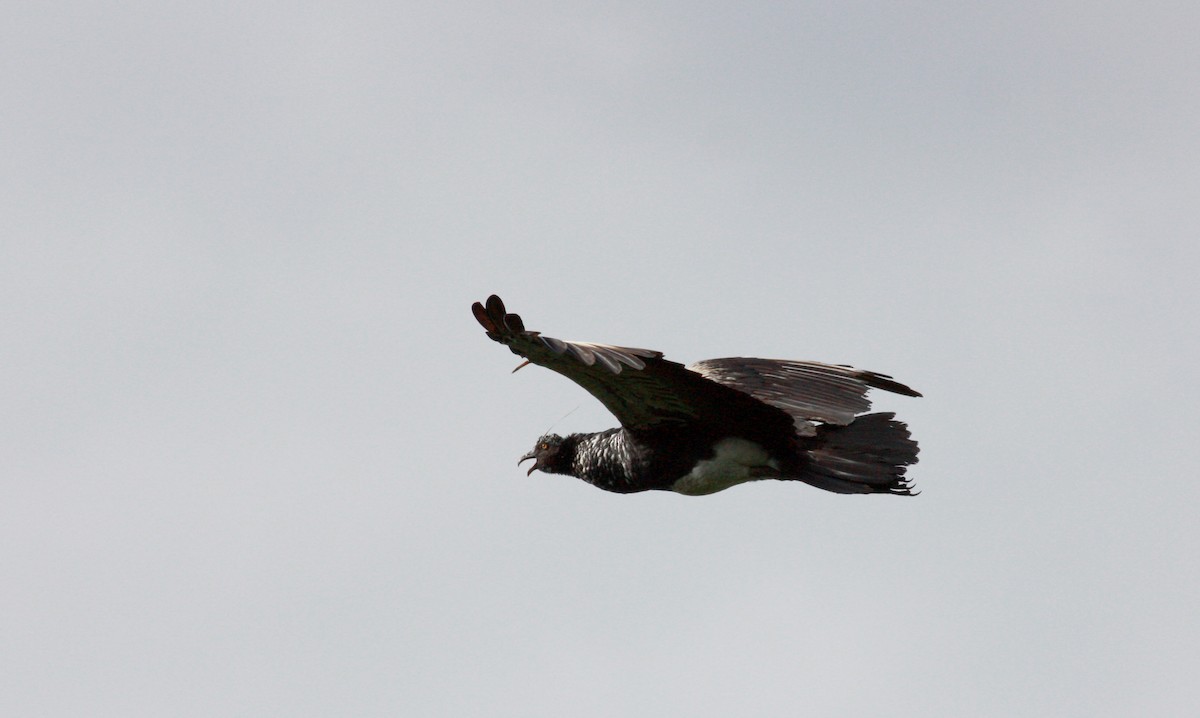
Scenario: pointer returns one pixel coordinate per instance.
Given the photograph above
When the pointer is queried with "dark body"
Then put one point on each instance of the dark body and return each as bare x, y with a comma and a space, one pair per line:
656, 459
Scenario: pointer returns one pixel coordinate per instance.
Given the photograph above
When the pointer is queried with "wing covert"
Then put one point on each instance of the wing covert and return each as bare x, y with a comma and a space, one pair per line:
638, 386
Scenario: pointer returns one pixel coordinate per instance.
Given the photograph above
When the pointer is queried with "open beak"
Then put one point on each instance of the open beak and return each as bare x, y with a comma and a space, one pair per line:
526, 457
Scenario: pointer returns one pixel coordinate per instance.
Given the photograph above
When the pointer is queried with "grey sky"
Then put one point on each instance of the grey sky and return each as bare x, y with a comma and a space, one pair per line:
259, 459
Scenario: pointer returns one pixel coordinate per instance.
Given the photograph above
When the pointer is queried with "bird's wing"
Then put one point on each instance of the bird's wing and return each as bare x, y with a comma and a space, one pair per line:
640, 388
809, 391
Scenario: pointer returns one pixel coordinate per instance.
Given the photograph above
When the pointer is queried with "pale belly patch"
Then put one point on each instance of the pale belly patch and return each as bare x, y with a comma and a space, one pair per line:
735, 461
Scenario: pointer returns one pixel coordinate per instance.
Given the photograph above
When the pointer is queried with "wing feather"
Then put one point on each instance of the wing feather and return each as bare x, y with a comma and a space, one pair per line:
809, 391
645, 391
638, 386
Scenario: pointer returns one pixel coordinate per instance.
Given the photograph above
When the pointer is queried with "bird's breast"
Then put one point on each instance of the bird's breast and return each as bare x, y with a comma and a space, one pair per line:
734, 461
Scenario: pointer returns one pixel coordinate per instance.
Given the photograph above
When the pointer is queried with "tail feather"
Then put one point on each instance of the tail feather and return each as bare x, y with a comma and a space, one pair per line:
867, 456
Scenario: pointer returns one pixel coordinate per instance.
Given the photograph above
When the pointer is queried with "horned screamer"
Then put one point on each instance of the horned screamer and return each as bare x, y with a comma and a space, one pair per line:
703, 428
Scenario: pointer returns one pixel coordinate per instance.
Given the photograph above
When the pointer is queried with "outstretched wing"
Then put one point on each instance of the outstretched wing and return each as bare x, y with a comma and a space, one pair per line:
809, 391
638, 386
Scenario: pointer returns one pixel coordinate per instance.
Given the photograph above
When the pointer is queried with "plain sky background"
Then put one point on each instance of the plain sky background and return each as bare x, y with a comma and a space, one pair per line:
258, 458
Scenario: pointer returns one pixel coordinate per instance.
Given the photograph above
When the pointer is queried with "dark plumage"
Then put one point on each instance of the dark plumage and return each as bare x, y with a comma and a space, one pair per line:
717, 423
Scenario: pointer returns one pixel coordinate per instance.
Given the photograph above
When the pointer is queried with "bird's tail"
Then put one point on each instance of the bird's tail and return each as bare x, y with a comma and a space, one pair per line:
867, 456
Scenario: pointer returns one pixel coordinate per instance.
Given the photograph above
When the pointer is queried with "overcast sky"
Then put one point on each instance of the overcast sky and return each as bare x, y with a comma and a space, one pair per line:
258, 458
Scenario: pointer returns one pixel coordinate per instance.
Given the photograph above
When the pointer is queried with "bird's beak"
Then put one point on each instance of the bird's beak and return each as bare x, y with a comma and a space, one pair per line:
526, 457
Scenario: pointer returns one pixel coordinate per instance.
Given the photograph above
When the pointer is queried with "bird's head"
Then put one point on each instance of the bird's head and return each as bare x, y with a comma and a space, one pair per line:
547, 456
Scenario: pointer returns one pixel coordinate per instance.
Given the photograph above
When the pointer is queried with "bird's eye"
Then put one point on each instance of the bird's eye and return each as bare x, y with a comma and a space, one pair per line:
543, 447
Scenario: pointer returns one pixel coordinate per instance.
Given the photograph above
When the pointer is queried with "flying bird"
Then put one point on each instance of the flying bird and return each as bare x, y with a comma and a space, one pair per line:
717, 423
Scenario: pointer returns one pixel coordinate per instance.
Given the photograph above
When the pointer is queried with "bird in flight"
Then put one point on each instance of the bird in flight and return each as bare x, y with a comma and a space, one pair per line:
717, 423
